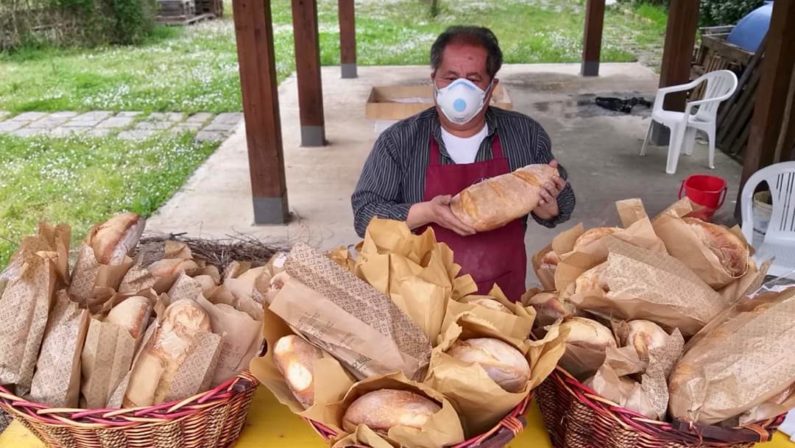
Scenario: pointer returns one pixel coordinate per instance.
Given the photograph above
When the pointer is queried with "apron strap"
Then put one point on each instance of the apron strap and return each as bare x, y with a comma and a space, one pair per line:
436, 153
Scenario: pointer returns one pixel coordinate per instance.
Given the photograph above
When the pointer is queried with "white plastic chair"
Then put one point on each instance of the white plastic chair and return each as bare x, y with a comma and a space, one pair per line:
779, 241
683, 125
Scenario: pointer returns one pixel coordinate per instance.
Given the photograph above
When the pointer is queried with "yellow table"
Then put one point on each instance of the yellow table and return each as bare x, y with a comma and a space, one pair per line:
271, 425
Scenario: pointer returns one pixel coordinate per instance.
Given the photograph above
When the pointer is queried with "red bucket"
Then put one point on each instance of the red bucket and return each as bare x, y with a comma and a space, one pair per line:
706, 191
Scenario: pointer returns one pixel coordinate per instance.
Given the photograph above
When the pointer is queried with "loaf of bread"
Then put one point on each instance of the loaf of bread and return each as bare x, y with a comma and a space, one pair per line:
731, 251
116, 238
132, 314
295, 358
383, 409
491, 304
549, 308
167, 270
591, 235
588, 333
592, 280
499, 200
503, 363
165, 352
644, 336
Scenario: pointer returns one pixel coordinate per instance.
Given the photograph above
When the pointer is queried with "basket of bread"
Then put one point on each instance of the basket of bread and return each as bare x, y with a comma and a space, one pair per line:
120, 351
669, 341
385, 344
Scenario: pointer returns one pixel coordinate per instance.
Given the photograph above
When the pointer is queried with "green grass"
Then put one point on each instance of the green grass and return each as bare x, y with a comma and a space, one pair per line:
81, 181
195, 68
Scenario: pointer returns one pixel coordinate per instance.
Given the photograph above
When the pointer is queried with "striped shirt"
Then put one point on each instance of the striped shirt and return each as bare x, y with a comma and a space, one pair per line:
393, 177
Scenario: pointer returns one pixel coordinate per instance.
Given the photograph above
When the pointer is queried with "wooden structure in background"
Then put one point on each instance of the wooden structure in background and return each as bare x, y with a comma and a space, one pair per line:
680, 38
307, 72
347, 18
592, 37
254, 32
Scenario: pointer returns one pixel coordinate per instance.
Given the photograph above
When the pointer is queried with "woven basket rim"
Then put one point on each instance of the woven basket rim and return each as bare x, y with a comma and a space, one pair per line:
510, 422
122, 418
634, 421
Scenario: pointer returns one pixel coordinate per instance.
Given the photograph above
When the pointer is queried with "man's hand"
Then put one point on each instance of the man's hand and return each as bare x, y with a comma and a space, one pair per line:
548, 205
437, 211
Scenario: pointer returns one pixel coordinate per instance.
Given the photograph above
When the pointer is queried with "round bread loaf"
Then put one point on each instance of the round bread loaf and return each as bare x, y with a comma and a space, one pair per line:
591, 235
591, 280
588, 333
645, 336
731, 251
502, 362
382, 409
491, 304
132, 314
295, 358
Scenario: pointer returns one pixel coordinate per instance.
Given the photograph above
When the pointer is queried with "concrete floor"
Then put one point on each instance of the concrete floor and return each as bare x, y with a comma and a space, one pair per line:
599, 148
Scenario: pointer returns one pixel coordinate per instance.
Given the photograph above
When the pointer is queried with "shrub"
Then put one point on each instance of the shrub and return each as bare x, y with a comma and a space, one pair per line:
726, 12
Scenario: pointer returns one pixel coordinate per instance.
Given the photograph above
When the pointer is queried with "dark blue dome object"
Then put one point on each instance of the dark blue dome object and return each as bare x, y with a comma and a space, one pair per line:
751, 29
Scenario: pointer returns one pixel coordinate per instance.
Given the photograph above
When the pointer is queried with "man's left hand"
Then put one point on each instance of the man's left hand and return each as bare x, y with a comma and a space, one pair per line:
548, 205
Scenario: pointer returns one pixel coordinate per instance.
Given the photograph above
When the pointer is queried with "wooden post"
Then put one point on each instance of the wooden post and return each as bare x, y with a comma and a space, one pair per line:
592, 37
307, 70
771, 95
254, 33
680, 37
347, 38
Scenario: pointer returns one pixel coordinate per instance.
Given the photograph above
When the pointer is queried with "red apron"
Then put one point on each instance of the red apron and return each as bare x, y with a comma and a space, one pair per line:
497, 256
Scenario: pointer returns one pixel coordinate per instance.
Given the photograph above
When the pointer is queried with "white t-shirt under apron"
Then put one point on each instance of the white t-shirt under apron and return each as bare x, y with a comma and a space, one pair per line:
464, 150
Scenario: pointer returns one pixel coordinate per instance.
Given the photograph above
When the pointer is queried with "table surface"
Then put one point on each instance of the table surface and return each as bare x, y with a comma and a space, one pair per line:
272, 425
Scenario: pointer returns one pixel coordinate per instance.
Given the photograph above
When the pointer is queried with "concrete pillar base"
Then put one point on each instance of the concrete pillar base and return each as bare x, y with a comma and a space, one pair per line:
348, 71
589, 68
313, 136
270, 211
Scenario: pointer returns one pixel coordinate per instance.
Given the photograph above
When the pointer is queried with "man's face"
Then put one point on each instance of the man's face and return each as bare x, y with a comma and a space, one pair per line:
462, 61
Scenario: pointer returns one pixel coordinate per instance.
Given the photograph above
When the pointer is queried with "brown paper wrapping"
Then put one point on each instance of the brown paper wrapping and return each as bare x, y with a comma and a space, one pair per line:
467, 385
57, 378
91, 280
331, 381
648, 397
516, 326
442, 429
547, 306
649, 285
545, 273
34, 273
117, 397
107, 356
348, 318
742, 360
685, 245
416, 271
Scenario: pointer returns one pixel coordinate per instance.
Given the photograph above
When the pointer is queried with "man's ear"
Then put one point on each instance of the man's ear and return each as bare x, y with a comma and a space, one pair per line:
487, 99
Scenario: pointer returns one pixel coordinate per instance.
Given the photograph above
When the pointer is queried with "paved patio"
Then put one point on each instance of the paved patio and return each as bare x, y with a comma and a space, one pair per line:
599, 148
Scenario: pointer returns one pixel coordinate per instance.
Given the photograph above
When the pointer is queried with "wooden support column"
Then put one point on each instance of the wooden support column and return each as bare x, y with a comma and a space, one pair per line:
772, 93
307, 70
592, 37
347, 16
680, 38
254, 33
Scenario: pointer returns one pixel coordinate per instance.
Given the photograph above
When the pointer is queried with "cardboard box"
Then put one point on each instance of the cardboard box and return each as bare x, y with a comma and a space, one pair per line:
393, 103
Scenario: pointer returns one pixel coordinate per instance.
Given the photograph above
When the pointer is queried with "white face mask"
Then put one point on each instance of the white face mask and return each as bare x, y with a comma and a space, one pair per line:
461, 100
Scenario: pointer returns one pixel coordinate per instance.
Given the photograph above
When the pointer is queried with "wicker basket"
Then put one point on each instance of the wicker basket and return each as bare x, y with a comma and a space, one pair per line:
499, 436
575, 416
212, 419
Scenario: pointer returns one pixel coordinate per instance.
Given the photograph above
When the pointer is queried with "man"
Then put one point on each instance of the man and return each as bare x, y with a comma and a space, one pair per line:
418, 164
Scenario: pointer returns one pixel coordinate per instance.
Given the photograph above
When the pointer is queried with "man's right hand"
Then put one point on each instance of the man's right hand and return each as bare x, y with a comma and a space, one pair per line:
437, 211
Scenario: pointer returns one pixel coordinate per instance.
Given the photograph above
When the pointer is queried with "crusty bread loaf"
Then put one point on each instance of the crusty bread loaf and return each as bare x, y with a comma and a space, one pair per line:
589, 333
645, 336
591, 280
491, 304
502, 362
499, 200
550, 260
167, 270
165, 352
382, 409
549, 308
591, 235
731, 251
295, 358
116, 238
132, 314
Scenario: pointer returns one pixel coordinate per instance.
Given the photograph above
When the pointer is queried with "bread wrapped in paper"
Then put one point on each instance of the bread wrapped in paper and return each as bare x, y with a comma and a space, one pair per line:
499, 200
742, 360
586, 344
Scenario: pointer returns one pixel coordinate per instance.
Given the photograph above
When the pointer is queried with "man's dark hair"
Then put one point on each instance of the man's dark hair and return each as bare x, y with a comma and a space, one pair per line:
472, 35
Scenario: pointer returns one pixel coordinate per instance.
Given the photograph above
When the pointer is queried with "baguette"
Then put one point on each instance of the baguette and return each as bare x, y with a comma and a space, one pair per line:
116, 238
499, 200
132, 314
295, 358
729, 249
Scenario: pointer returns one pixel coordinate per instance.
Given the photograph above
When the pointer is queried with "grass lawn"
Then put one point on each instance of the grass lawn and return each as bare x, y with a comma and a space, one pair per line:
81, 181
195, 68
